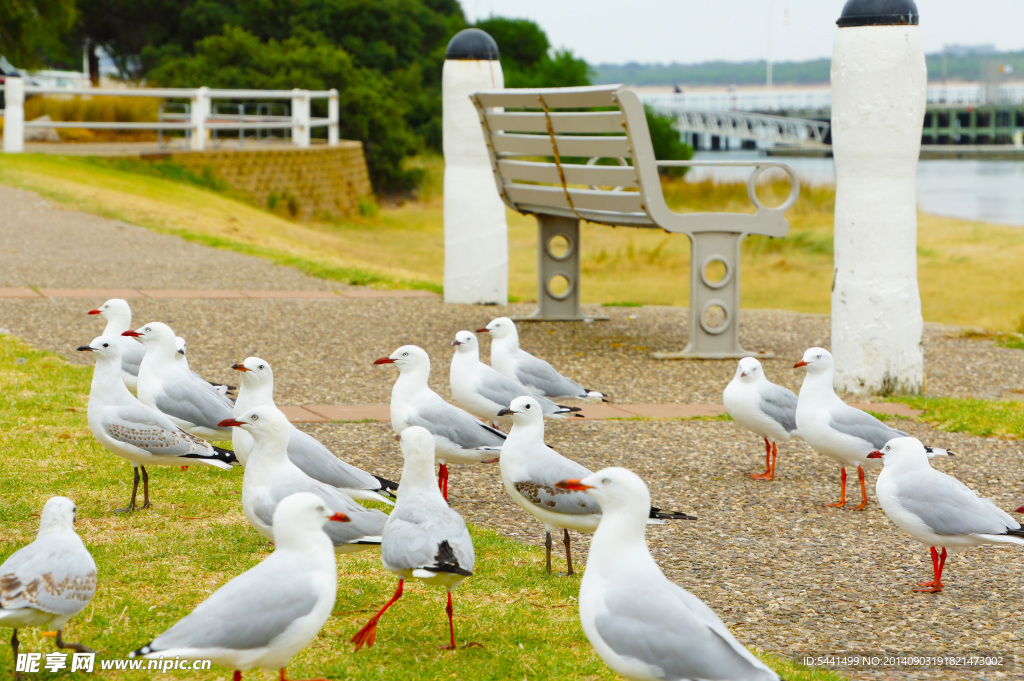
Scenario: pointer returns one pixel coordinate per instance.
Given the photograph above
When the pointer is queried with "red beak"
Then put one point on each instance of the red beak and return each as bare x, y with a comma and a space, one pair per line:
573, 484
239, 367
129, 332
455, 342
227, 423
1020, 510
875, 455
483, 330
384, 360
340, 517
801, 363
93, 312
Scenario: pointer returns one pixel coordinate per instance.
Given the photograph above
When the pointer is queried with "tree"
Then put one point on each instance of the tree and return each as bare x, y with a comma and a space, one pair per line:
666, 142
527, 59
32, 30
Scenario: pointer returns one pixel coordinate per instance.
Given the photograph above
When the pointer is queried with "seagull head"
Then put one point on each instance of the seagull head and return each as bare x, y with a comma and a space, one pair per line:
303, 511
115, 310
255, 371
902, 451
524, 410
58, 515
749, 370
154, 332
259, 421
179, 346
614, 489
103, 346
500, 327
407, 356
465, 342
816, 360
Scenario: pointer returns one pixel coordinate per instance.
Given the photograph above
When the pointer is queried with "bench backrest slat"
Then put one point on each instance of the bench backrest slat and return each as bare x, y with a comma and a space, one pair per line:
563, 123
547, 173
579, 146
582, 199
553, 98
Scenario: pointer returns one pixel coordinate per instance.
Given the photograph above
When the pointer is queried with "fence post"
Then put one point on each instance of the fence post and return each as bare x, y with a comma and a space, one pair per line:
198, 115
14, 116
333, 117
300, 117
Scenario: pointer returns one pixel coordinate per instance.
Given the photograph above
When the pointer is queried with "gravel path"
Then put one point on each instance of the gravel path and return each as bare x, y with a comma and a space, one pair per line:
786, 574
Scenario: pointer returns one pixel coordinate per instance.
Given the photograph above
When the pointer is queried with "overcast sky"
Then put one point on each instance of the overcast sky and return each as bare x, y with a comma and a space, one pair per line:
692, 31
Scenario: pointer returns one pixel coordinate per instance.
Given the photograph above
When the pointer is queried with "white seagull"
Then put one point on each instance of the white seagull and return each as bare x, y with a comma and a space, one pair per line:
937, 509
836, 429
458, 436
642, 625
49, 581
304, 450
484, 392
767, 409
423, 538
170, 386
531, 371
264, 616
530, 469
135, 431
271, 477
118, 316
181, 355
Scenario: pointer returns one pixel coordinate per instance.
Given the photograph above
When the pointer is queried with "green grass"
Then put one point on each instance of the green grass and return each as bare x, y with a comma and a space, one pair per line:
987, 418
156, 565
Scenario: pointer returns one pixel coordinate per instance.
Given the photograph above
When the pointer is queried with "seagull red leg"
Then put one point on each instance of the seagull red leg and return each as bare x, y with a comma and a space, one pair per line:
938, 562
863, 491
368, 634
842, 495
237, 676
775, 453
451, 623
767, 463
442, 480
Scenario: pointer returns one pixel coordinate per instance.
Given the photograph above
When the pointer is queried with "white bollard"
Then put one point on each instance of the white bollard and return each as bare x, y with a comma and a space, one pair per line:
475, 226
879, 82
333, 117
14, 115
198, 114
300, 117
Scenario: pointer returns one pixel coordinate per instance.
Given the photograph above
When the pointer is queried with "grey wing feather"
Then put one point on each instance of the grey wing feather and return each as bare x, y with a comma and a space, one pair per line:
542, 377
950, 507
861, 424
444, 420
538, 486
413, 535
363, 522
131, 359
780, 405
318, 462
673, 630
264, 508
151, 431
241, 615
196, 402
53, 574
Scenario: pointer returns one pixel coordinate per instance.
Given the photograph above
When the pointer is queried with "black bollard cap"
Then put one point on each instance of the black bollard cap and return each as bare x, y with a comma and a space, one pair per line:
472, 44
878, 13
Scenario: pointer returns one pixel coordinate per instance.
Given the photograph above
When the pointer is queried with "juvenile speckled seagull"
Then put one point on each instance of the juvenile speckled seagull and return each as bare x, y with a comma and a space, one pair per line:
836, 429
530, 469
484, 392
170, 386
642, 625
49, 581
458, 436
270, 476
264, 616
533, 372
760, 406
423, 538
935, 508
135, 431
118, 316
304, 450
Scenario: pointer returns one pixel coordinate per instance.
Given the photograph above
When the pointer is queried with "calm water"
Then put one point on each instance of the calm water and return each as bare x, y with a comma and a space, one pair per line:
987, 191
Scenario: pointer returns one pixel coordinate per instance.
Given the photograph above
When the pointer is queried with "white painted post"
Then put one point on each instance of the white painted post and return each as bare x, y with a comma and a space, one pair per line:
879, 83
300, 117
14, 116
198, 114
475, 225
333, 117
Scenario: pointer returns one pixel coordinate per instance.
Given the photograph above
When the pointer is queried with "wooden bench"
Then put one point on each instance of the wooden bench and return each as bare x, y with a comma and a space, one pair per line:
547, 147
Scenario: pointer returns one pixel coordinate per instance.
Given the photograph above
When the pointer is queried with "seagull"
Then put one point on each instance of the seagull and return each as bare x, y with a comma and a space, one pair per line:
937, 509
530, 469
641, 624
423, 538
264, 616
458, 437
767, 409
484, 392
171, 387
270, 477
836, 429
304, 450
118, 316
533, 372
181, 354
49, 581
135, 431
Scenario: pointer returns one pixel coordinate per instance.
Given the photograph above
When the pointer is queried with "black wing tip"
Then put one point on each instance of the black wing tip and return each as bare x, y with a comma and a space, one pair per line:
387, 486
1015, 533
144, 650
567, 408
446, 561
670, 515
226, 455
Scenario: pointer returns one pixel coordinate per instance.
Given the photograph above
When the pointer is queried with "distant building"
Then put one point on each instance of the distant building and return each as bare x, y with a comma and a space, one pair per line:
968, 50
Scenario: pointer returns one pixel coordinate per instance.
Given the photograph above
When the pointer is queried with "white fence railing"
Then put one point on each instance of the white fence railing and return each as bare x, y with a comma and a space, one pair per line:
196, 123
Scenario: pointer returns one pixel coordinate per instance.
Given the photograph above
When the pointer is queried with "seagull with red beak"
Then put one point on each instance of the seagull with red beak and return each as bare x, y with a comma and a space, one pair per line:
458, 436
935, 508
760, 406
118, 315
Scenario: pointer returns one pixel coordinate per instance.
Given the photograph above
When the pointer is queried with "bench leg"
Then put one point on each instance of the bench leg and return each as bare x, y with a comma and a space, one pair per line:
714, 299
558, 267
